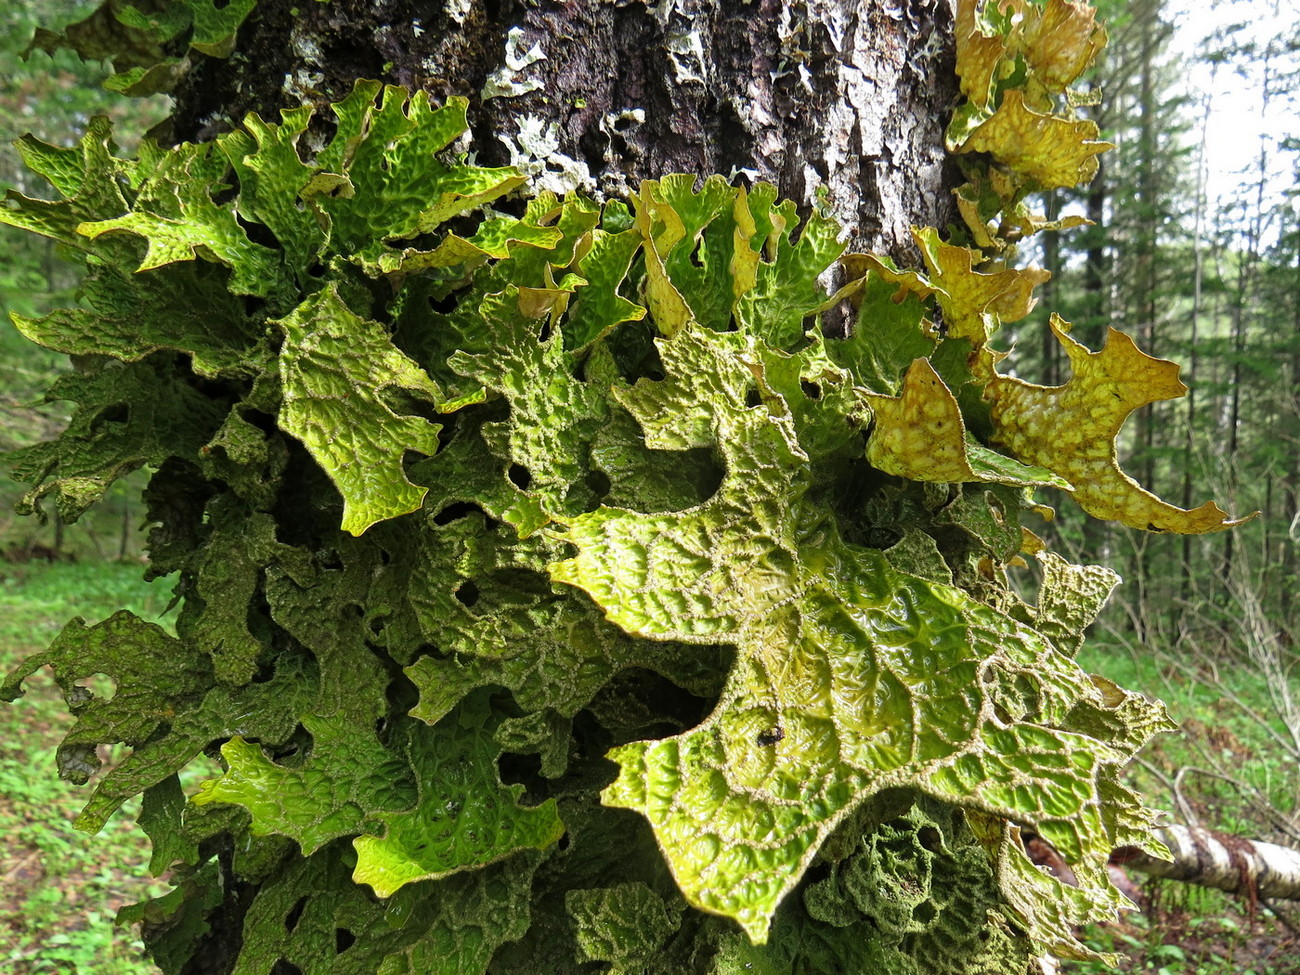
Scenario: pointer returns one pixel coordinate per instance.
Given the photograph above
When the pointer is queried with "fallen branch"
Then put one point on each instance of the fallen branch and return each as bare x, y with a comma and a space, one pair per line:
1252, 868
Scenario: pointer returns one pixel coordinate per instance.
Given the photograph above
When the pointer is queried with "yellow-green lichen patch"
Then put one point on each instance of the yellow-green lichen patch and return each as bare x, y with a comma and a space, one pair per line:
920, 434
621, 518
1071, 429
850, 677
1052, 151
1065, 38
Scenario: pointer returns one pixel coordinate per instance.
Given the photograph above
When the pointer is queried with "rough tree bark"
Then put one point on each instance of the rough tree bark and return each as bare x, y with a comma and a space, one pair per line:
841, 95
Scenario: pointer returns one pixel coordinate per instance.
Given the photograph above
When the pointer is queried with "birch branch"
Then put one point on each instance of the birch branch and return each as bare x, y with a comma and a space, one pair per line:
1222, 861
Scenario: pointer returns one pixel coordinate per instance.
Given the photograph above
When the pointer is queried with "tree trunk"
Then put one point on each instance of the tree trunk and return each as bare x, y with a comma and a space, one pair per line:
1050, 347
841, 95
1291, 481
1189, 438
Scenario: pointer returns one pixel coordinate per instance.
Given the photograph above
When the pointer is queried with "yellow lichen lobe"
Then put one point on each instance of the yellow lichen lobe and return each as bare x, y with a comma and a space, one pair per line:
1071, 429
968, 296
1051, 150
974, 302
1063, 42
919, 434
1058, 41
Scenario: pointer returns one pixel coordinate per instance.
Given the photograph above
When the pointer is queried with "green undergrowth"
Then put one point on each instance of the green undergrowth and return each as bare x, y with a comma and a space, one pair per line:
1248, 784
61, 887
1190, 930
1227, 727
37, 599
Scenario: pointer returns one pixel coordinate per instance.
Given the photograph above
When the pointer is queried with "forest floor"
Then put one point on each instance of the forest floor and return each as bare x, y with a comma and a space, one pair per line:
1223, 770
60, 889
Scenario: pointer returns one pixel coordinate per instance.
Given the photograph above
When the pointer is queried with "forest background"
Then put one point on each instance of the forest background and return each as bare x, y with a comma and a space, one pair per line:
1194, 249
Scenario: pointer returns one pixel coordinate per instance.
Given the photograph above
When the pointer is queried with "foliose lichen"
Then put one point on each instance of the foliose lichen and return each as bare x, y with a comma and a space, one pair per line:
553, 590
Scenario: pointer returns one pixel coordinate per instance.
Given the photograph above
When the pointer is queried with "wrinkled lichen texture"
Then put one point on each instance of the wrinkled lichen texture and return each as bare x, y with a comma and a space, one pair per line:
559, 590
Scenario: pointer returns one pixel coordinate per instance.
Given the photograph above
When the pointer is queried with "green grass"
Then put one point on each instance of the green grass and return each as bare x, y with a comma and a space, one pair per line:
1217, 736
37, 598
61, 888
1190, 930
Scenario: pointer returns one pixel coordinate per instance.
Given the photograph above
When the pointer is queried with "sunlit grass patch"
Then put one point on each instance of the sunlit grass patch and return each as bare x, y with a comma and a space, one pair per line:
36, 599
1226, 766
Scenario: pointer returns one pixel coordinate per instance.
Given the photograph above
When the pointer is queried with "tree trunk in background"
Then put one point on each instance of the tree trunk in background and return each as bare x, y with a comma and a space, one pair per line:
1091, 329
1047, 292
1143, 303
1096, 266
1291, 480
1250, 247
846, 95
1180, 609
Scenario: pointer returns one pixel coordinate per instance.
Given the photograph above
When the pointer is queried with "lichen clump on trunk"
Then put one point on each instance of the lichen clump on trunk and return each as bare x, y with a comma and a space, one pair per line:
496, 527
